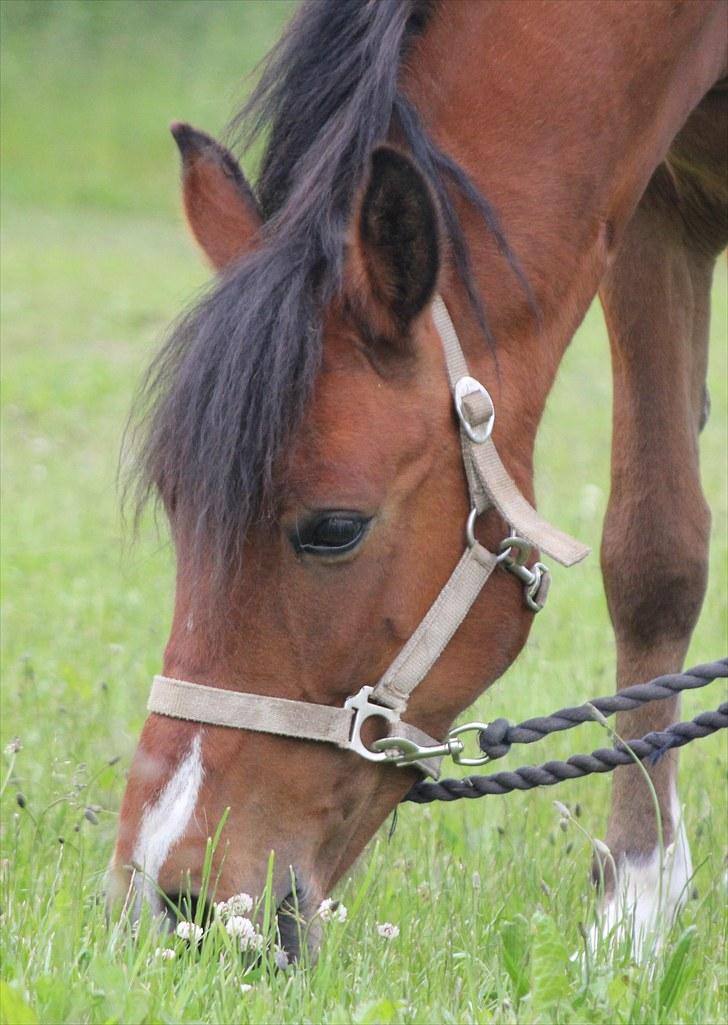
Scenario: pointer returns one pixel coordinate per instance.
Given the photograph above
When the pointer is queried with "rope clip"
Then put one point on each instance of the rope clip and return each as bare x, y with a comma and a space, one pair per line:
403, 751
535, 580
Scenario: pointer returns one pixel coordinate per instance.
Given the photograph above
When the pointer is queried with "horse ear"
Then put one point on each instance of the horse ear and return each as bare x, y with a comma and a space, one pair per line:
398, 237
220, 206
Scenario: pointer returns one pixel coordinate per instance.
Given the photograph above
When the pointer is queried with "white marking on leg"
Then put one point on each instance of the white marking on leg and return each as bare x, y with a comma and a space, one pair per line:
649, 891
682, 868
164, 824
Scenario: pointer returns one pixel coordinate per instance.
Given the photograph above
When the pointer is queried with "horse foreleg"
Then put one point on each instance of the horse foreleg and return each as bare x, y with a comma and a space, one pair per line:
656, 299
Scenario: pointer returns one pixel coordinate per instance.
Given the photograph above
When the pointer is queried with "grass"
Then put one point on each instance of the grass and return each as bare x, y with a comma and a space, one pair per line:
490, 897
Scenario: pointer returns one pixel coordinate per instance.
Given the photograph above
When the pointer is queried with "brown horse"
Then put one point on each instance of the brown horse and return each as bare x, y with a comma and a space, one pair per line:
300, 429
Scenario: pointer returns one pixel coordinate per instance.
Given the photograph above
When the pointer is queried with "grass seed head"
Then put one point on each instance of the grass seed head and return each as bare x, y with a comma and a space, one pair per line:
281, 959
601, 847
13, 747
562, 809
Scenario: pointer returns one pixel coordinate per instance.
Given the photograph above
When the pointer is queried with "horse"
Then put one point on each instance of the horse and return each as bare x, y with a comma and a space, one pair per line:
432, 170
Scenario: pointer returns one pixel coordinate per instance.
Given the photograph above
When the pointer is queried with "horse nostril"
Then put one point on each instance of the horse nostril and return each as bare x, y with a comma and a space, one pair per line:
296, 922
288, 921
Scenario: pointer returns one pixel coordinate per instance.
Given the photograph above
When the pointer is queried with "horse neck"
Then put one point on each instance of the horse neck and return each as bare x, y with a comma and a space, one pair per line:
560, 113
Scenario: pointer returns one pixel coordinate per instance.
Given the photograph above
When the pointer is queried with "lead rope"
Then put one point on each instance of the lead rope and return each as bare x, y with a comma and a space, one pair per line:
496, 739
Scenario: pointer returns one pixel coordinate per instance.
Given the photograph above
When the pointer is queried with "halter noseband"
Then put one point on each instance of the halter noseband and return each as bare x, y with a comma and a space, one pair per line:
488, 485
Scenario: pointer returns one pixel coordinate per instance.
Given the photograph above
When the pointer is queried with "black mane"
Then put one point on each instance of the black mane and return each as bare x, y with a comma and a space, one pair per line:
230, 384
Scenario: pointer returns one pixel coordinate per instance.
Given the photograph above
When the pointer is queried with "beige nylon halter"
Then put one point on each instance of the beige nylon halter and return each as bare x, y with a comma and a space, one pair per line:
489, 485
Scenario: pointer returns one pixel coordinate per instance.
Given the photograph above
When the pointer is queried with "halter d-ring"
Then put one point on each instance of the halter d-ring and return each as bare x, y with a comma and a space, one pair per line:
470, 537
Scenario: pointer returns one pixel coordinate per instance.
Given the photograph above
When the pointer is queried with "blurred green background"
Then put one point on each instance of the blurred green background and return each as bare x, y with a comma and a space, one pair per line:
95, 263
89, 88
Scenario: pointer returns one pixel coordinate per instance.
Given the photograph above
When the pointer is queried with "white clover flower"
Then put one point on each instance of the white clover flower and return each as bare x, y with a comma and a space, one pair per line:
252, 943
13, 747
245, 932
332, 911
245, 987
240, 904
237, 925
165, 953
189, 931
388, 931
281, 959
324, 908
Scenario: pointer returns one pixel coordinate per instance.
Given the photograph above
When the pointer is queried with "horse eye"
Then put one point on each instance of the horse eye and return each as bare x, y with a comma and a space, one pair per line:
331, 534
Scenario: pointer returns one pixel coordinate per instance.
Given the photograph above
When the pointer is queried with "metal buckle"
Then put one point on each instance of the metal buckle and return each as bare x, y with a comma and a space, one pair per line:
365, 709
470, 386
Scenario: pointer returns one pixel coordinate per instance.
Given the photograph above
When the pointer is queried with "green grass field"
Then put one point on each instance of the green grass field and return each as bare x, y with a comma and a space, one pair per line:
490, 897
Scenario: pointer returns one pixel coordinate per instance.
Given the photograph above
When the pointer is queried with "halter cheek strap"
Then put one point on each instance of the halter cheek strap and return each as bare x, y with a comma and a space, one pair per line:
488, 485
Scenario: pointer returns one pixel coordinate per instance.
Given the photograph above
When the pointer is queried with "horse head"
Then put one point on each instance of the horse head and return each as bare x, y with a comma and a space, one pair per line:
331, 579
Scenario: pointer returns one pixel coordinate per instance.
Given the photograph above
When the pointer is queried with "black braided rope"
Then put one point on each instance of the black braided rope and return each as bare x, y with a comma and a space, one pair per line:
496, 740
651, 747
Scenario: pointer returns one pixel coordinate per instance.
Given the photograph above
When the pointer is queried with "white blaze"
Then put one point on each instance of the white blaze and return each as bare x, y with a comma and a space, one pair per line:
165, 822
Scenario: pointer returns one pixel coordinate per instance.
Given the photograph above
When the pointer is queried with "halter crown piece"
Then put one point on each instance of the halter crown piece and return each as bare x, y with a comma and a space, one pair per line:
488, 485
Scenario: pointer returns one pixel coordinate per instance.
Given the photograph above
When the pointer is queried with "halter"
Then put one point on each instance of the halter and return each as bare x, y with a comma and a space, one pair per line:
488, 485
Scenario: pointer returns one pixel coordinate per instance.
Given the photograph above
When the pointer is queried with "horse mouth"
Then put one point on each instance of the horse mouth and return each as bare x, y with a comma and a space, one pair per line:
294, 929
289, 927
